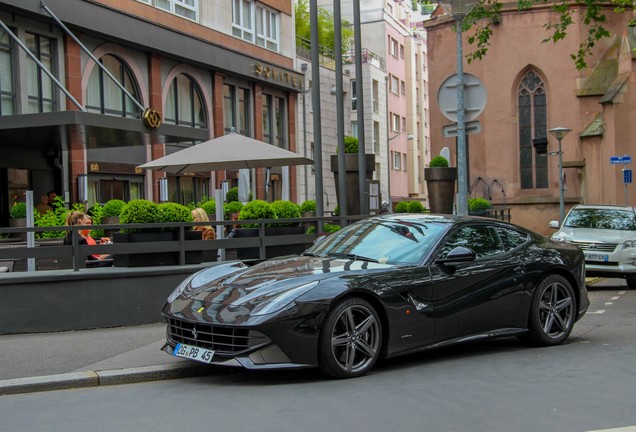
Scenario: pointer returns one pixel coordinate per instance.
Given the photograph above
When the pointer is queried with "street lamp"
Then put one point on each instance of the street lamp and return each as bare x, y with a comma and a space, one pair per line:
458, 9
559, 133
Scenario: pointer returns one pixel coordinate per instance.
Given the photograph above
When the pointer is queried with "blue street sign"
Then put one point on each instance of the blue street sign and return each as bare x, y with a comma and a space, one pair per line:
627, 176
620, 159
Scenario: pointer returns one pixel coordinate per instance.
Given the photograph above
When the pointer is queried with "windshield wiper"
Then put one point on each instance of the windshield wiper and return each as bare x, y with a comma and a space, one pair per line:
311, 254
352, 256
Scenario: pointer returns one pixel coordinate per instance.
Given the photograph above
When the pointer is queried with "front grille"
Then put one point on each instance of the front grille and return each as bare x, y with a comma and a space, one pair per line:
596, 247
603, 263
223, 340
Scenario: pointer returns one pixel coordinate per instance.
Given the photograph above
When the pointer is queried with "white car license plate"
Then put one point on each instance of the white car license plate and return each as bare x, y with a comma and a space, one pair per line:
596, 257
193, 353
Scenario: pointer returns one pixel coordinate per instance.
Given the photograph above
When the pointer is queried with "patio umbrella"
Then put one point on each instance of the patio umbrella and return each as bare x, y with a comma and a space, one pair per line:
229, 152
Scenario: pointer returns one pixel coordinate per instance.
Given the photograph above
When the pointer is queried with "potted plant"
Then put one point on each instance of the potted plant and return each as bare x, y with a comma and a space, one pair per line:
110, 214
402, 207
308, 210
478, 206
351, 172
415, 207
17, 218
440, 182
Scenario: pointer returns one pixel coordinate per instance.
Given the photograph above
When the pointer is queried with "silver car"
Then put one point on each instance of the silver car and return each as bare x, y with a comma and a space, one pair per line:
607, 236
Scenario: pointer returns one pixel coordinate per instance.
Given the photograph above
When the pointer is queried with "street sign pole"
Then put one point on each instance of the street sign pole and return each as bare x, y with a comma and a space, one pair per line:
627, 173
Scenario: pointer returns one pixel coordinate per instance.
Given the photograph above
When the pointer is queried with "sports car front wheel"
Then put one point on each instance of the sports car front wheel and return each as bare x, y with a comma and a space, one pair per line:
553, 311
350, 339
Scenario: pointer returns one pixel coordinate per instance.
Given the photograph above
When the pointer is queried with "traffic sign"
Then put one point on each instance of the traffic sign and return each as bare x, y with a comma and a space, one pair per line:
627, 176
471, 127
625, 159
474, 97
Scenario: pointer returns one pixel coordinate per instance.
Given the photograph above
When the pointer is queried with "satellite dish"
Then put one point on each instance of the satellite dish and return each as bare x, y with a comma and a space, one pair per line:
445, 153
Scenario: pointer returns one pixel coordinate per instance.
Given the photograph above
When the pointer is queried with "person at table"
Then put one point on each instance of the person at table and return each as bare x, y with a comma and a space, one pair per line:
78, 218
207, 232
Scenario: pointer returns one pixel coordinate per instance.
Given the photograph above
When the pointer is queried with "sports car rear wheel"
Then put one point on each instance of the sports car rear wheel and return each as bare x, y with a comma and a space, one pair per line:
553, 311
350, 339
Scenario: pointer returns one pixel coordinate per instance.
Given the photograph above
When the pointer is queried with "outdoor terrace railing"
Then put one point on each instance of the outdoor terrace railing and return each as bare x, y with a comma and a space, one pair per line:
48, 254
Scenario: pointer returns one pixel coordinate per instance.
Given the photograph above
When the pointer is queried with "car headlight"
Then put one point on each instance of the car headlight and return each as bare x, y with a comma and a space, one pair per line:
629, 244
277, 302
559, 238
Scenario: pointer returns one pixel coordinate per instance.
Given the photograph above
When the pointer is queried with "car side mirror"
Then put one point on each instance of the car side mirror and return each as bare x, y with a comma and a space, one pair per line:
458, 255
554, 224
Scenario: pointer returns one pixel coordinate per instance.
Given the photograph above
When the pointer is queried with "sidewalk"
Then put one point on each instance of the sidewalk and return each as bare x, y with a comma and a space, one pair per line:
88, 358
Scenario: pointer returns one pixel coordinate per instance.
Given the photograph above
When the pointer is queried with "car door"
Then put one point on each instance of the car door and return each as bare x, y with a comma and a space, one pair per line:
478, 296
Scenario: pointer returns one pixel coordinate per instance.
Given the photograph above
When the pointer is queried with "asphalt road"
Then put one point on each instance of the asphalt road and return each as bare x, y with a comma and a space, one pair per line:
587, 384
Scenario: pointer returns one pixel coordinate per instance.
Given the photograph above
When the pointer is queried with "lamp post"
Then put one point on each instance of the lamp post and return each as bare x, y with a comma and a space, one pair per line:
458, 9
559, 133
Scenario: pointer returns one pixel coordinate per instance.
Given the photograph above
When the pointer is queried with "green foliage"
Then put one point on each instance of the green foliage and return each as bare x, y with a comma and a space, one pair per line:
415, 207
336, 211
256, 210
57, 217
351, 145
594, 16
209, 206
138, 211
113, 208
18, 211
438, 162
326, 34
231, 195
478, 204
286, 210
328, 228
97, 213
173, 212
308, 206
232, 207
402, 207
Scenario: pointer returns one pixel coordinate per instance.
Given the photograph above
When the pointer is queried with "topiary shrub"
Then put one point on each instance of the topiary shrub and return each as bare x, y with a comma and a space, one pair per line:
256, 210
231, 195
478, 205
438, 162
308, 206
415, 207
351, 145
209, 206
173, 212
138, 211
113, 208
284, 209
18, 211
231, 208
402, 207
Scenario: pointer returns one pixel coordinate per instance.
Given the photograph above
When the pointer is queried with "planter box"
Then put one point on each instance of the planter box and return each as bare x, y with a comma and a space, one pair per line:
352, 196
271, 251
440, 183
155, 258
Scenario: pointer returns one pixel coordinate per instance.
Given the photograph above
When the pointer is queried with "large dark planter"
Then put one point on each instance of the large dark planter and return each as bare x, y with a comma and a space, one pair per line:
271, 251
18, 223
440, 183
110, 220
352, 180
155, 258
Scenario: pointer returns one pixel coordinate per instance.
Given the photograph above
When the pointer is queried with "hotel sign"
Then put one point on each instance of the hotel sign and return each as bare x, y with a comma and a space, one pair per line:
273, 74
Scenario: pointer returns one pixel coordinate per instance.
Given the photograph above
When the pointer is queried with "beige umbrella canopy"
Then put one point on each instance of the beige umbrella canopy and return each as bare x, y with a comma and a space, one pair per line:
229, 152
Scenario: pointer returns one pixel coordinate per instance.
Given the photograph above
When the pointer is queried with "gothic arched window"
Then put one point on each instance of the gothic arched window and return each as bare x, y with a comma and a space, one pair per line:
184, 104
106, 97
532, 125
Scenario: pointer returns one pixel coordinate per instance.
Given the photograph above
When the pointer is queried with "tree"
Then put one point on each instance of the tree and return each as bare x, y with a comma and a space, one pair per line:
487, 12
325, 27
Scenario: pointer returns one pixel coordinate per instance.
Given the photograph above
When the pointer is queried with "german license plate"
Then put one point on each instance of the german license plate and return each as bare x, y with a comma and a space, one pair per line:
596, 257
193, 353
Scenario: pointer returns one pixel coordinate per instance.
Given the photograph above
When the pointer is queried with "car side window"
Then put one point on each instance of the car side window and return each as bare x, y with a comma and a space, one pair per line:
511, 238
480, 238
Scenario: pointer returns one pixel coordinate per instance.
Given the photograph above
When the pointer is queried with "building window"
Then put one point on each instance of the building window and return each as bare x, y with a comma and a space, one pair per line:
401, 51
266, 28
376, 137
393, 47
354, 97
40, 88
402, 87
404, 164
184, 104
532, 125
397, 161
274, 109
249, 20
106, 97
395, 122
404, 124
354, 129
376, 96
184, 8
395, 85
236, 109
7, 93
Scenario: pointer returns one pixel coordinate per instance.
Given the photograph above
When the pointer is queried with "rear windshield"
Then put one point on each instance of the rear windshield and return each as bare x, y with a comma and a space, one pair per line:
616, 219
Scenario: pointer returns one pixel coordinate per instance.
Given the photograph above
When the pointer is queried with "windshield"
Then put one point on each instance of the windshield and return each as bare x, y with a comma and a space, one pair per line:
615, 219
383, 241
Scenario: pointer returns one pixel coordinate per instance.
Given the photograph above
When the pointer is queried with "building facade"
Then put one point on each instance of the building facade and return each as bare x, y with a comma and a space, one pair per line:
533, 87
138, 79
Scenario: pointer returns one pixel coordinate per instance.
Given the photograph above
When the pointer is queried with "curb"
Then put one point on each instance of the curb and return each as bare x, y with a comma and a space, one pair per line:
100, 378
593, 280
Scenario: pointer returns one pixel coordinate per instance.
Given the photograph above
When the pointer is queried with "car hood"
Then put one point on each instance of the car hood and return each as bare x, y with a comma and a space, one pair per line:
594, 235
231, 293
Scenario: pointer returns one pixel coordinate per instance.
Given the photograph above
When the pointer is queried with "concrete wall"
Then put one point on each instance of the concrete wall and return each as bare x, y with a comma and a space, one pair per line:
62, 300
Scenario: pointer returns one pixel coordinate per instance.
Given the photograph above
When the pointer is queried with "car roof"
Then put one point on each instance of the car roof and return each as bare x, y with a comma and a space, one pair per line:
603, 207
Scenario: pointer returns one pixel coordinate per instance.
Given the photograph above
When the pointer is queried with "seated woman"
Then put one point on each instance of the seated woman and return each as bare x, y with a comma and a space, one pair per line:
80, 218
207, 232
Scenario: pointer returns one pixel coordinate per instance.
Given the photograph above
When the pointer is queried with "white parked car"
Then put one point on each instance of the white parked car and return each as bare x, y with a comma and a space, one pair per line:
607, 236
